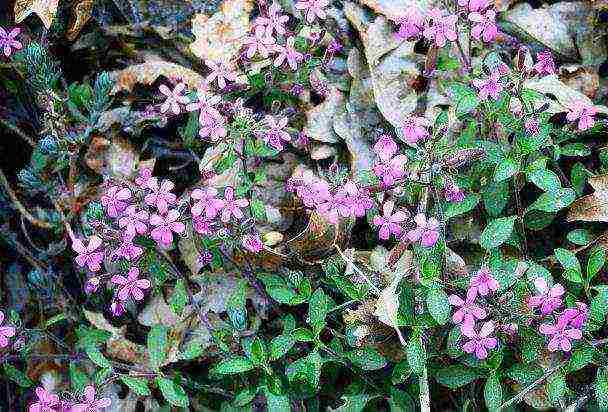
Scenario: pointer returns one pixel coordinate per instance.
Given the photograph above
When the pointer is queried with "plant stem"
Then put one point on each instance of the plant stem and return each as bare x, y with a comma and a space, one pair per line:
19, 206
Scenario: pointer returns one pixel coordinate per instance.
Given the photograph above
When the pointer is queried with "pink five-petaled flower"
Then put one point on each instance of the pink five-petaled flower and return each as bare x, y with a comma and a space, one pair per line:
134, 221
128, 250
207, 202
256, 44
482, 283
390, 223
161, 196
479, 342
385, 148
275, 22
441, 28
276, 133
5, 332
214, 128
545, 63
583, 112
232, 206
467, 311
485, 25
473, 5
8, 40
426, 231
560, 334
576, 316
354, 201
453, 193
490, 86
313, 9
415, 129
131, 285
91, 404
174, 98
329, 208
289, 53
165, 226
114, 200
548, 299
410, 24
253, 243
88, 256
391, 170
221, 73
204, 105
47, 401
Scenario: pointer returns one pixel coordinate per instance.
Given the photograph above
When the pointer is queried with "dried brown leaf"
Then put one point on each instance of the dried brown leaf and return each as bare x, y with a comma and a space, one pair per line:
45, 9
593, 207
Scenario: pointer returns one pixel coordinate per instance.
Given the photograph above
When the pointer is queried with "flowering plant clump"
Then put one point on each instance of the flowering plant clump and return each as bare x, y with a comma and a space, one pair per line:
324, 205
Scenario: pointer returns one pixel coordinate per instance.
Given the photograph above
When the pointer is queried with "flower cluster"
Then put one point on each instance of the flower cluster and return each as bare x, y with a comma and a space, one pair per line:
50, 402
6, 332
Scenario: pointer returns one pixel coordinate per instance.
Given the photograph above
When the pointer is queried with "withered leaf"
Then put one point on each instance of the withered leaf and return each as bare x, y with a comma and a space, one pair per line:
45, 9
593, 207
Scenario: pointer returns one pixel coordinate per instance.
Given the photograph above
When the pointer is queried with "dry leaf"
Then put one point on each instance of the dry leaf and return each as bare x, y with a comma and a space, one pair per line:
387, 306
593, 207
147, 73
45, 9
81, 15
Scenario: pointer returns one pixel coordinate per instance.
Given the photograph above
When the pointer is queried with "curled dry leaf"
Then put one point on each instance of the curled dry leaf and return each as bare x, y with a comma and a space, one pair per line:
218, 38
147, 73
115, 158
593, 207
393, 9
81, 15
320, 118
45, 9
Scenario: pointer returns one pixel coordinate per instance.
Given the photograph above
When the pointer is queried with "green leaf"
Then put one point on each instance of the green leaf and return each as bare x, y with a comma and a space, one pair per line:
556, 387
318, 306
575, 149
596, 262
553, 201
601, 388
258, 352
573, 275
157, 345
455, 376
579, 237
492, 393
581, 357
497, 232
465, 98
192, 351
439, 306
137, 385
354, 403
179, 298
96, 356
545, 179
258, 210
366, 358
459, 208
280, 345
55, 319
17, 376
172, 392
495, 197
234, 365
505, 169
78, 378
567, 259
416, 356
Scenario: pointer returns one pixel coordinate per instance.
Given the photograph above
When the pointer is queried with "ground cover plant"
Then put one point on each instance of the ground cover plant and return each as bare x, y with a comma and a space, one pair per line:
299, 205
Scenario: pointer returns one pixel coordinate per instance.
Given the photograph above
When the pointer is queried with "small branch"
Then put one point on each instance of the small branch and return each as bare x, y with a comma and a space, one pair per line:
19, 206
517, 398
581, 400
425, 396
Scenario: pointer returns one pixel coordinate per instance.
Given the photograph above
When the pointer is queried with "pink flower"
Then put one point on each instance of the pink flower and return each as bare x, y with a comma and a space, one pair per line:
385, 148
353, 201
453, 193
426, 231
390, 224
576, 316
91, 285
134, 221
485, 27
213, 128
174, 98
91, 404
8, 40
117, 308
128, 250
232, 206
165, 226
275, 22
482, 283
473, 5
87, 256
489, 87
114, 200
203, 226
548, 299
468, 311
415, 129
392, 170
207, 202
5, 332
131, 285
143, 177
411, 24
289, 53
583, 112
276, 133
221, 73
204, 104
545, 63
313, 9
479, 342
47, 401
532, 126
441, 28
256, 44
161, 196
313, 192
560, 335
253, 243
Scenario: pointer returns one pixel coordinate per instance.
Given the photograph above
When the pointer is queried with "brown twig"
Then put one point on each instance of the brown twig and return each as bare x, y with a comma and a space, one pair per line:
19, 206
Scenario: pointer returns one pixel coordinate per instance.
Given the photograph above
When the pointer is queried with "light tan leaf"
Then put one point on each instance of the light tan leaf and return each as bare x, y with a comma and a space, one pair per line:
45, 9
320, 118
147, 73
81, 15
593, 207
157, 312
387, 306
218, 37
